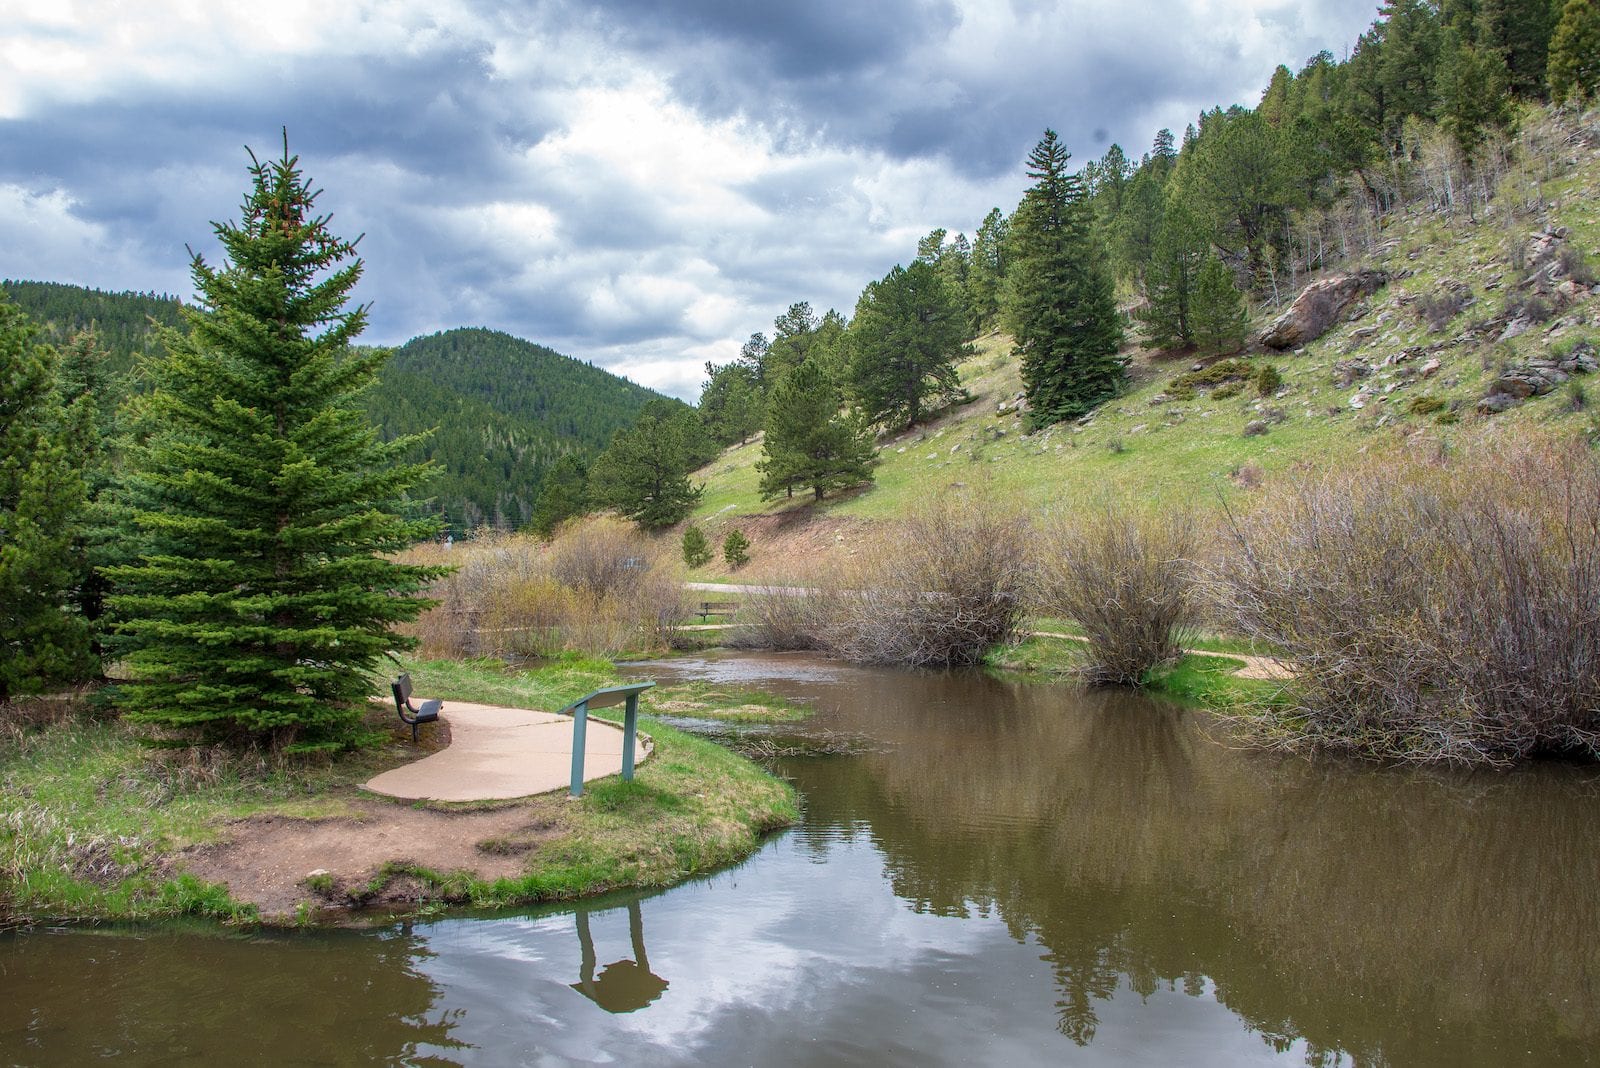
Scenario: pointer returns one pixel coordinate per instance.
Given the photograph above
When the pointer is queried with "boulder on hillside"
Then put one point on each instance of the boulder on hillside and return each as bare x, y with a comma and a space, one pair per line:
1319, 306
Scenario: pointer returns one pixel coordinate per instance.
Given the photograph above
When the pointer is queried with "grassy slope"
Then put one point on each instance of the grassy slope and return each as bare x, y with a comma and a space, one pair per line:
1175, 451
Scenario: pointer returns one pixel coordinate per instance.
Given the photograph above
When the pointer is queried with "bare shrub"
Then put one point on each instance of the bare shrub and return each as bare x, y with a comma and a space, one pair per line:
1432, 611
939, 588
602, 555
1534, 309
1575, 265
1125, 576
787, 617
1438, 309
600, 587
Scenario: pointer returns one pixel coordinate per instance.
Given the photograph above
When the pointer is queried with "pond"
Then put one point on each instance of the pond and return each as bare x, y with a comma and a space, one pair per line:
995, 873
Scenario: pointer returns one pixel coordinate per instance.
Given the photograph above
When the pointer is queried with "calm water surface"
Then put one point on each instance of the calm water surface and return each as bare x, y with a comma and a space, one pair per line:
1005, 874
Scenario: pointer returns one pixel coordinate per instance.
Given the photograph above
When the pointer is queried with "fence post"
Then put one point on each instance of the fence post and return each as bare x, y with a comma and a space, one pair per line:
630, 723
580, 727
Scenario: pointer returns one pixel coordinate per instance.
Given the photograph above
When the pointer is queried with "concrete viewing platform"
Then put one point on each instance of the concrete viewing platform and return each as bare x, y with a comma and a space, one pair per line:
498, 753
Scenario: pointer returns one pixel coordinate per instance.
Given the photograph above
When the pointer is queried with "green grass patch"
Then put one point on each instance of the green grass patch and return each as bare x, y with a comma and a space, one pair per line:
1213, 682
548, 687
1045, 656
90, 813
731, 704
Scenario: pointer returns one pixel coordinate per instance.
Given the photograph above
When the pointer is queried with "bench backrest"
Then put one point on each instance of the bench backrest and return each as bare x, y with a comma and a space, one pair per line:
402, 690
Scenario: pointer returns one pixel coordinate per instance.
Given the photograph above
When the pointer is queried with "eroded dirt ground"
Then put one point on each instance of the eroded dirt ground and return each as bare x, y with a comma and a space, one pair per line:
267, 861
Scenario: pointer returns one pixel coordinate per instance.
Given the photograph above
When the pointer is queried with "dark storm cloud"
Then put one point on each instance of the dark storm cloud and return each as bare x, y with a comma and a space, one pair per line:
806, 42
889, 77
429, 114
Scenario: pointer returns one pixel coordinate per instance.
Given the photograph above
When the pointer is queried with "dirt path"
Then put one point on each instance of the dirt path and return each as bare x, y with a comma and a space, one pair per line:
269, 861
1255, 667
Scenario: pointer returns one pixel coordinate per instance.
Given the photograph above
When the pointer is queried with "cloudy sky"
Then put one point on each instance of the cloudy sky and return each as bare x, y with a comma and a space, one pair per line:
638, 183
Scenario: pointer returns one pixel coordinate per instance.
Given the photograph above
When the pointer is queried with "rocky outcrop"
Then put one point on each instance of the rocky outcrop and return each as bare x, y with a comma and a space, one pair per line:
1536, 377
1319, 306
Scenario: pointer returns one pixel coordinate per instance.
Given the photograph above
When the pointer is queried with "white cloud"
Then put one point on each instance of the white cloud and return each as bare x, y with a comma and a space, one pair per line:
45, 238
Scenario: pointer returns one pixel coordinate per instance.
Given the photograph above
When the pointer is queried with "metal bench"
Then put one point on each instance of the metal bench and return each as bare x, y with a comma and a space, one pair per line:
717, 608
409, 713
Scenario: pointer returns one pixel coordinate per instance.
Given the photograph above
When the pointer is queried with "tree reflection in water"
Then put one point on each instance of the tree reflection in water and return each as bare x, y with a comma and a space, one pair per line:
1329, 902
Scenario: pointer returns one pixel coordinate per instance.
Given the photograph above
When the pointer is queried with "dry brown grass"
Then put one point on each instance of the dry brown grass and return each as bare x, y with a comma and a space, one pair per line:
1126, 576
598, 587
1432, 610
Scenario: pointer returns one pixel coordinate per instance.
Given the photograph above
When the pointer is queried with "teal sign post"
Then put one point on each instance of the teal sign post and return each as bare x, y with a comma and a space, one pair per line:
579, 710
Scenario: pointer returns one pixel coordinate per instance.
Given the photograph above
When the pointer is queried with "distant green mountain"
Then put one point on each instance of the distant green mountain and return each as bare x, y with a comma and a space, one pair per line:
505, 409
123, 321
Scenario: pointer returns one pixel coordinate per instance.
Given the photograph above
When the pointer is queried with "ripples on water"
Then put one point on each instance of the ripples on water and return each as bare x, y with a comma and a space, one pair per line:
1011, 875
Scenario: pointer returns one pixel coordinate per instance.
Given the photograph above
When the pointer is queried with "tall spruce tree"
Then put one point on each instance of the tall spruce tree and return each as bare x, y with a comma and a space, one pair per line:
43, 639
904, 340
1060, 303
261, 502
810, 442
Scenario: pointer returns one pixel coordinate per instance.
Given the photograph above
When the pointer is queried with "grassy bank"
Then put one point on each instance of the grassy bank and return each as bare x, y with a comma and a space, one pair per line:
1204, 677
94, 821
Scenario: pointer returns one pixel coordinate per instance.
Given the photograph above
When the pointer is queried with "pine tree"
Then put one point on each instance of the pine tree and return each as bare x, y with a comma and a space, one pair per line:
261, 502
809, 441
1133, 233
1181, 247
904, 340
1059, 303
730, 403
88, 393
563, 495
1574, 70
696, 548
1472, 92
42, 638
644, 473
1237, 180
931, 249
1519, 33
794, 334
736, 549
1219, 312
955, 267
1409, 64
986, 277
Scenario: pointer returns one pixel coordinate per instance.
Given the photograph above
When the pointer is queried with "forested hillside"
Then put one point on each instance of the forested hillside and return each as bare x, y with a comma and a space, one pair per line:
505, 409
121, 321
